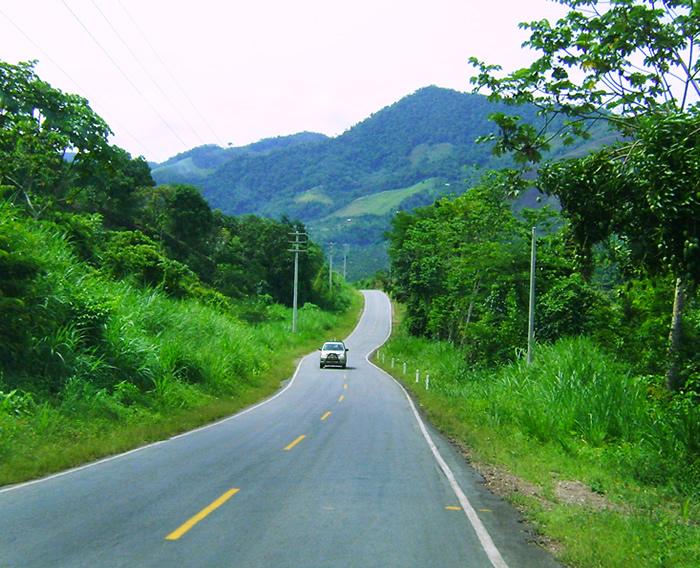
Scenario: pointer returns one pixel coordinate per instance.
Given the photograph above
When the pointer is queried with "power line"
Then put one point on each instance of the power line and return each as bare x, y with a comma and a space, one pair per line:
123, 73
172, 76
55, 63
147, 72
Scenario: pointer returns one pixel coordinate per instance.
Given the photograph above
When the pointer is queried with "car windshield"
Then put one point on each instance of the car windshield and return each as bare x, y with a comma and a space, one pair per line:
333, 347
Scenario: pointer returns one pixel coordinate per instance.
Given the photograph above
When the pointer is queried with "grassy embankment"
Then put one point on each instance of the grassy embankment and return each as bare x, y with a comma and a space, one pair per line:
132, 365
605, 467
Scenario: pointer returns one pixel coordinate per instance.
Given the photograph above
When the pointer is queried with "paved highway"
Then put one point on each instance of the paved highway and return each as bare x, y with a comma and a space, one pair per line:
336, 470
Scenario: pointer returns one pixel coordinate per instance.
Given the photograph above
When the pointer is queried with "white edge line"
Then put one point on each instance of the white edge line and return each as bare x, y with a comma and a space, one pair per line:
151, 445
481, 532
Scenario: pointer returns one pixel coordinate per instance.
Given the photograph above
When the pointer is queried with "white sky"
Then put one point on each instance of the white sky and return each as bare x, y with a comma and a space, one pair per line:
250, 69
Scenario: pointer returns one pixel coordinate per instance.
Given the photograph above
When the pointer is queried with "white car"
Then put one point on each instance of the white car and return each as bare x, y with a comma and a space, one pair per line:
334, 353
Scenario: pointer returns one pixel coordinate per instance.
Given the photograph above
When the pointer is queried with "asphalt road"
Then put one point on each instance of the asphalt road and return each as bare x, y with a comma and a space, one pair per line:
336, 470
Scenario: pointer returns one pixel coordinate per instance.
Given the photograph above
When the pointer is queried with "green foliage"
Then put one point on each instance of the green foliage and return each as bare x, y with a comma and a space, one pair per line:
462, 269
571, 307
643, 192
16, 403
631, 64
38, 125
18, 271
131, 253
576, 397
611, 61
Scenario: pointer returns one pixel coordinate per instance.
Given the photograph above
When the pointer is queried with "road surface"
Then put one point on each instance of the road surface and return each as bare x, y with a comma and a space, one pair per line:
336, 470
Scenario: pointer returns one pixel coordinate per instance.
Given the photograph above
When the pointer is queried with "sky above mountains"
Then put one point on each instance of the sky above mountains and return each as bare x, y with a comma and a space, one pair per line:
168, 76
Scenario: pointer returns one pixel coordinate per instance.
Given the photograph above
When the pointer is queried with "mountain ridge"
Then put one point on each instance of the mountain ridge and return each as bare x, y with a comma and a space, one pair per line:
424, 141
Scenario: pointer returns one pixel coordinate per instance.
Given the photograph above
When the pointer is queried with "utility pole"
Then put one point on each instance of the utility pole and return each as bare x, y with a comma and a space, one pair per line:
345, 261
531, 311
330, 267
298, 245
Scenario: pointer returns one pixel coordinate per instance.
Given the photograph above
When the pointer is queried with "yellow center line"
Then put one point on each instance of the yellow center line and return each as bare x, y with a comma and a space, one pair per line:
294, 443
326, 415
187, 525
345, 386
453, 508
342, 398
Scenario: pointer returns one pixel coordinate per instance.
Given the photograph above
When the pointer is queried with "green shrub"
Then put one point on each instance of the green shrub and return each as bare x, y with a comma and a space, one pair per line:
19, 268
16, 403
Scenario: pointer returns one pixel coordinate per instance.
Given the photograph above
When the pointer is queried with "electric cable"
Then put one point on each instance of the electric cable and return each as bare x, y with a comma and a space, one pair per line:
79, 87
172, 76
147, 72
123, 73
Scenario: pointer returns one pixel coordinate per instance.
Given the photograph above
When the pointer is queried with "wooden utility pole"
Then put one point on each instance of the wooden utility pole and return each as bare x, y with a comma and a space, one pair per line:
298, 245
330, 267
531, 311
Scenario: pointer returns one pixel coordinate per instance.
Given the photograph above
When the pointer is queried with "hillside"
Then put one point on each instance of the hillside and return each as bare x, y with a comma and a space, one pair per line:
406, 155
202, 161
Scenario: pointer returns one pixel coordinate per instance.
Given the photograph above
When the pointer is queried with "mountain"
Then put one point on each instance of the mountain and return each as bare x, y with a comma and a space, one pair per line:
193, 165
347, 188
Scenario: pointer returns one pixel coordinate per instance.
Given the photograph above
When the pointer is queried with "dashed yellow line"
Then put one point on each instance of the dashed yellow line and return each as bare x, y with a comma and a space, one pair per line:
342, 398
345, 386
326, 415
453, 508
294, 443
187, 525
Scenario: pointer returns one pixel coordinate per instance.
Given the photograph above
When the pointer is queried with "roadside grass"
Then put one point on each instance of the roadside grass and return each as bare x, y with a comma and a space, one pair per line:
164, 366
577, 418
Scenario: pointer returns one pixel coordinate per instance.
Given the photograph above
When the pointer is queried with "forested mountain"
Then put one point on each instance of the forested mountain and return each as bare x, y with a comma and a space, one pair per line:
403, 156
201, 161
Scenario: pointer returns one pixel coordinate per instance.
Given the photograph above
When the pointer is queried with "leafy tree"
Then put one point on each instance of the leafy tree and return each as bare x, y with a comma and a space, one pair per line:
612, 61
39, 125
633, 64
109, 184
461, 267
646, 192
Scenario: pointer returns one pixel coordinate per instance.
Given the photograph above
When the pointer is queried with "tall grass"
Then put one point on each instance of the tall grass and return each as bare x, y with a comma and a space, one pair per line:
575, 413
576, 396
108, 364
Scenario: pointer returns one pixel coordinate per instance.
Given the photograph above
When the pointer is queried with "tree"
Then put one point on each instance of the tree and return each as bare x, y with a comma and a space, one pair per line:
461, 268
613, 61
39, 126
633, 64
645, 191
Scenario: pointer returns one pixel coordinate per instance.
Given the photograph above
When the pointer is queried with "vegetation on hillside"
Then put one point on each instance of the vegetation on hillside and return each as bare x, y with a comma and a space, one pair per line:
128, 311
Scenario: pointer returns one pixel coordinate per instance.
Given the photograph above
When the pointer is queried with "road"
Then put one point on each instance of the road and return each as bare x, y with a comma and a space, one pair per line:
336, 470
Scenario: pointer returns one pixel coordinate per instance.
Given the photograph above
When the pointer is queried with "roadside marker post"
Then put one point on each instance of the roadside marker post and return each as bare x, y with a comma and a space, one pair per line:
404, 367
427, 382
392, 362
417, 375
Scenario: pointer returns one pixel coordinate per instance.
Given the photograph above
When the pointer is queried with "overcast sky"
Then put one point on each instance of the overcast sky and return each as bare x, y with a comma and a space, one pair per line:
171, 75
